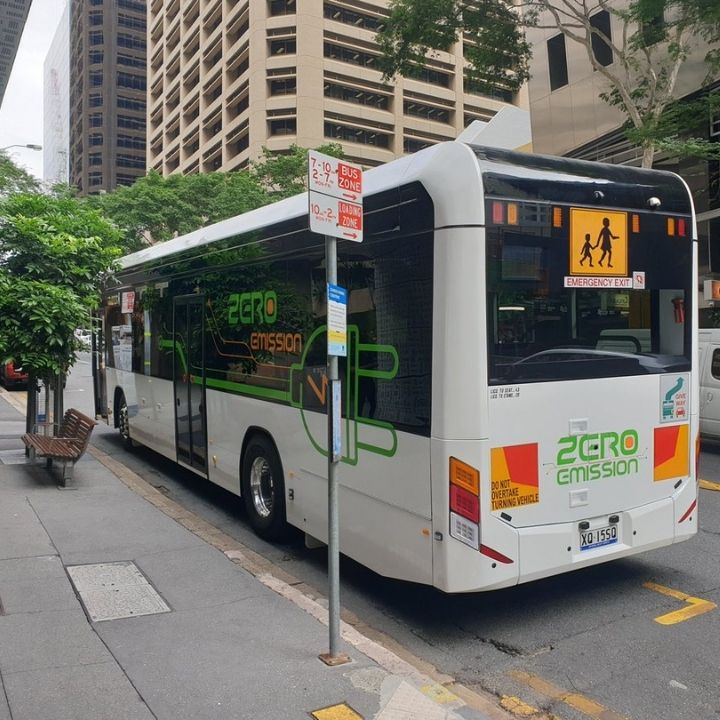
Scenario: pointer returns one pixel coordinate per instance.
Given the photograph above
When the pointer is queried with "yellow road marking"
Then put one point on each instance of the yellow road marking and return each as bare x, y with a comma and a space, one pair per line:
517, 707
708, 485
336, 712
575, 700
440, 694
695, 606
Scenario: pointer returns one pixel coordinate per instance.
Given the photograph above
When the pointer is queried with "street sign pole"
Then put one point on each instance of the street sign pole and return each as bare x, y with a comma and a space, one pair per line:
333, 506
335, 210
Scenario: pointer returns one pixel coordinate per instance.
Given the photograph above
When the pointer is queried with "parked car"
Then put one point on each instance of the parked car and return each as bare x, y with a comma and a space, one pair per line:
83, 337
10, 376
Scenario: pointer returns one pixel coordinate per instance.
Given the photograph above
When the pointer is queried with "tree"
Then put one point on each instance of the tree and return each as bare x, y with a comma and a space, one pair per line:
54, 255
157, 208
13, 179
285, 174
656, 38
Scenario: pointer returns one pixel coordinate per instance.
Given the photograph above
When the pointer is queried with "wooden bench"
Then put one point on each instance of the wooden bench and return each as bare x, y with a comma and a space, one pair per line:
67, 445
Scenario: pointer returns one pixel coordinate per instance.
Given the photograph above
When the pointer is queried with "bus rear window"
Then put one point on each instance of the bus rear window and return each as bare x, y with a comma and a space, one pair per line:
546, 325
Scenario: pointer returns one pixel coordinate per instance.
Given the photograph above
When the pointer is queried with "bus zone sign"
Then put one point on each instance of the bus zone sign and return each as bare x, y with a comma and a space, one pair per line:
335, 197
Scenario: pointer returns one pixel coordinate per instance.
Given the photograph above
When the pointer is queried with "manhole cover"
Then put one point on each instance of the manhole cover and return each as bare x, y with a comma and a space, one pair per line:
111, 591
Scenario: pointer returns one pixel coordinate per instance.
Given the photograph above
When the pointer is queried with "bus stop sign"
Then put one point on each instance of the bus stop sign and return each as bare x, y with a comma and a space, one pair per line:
335, 197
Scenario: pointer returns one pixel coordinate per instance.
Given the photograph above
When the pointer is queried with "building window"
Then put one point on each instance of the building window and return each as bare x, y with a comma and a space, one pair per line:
131, 22
95, 56
96, 37
434, 77
131, 81
96, 78
283, 86
95, 120
95, 179
95, 139
601, 50
357, 95
94, 159
130, 41
557, 62
95, 101
356, 135
131, 61
411, 145
129, 141
282, 7
427, 112
131, 104
349, 55
285, 46
283, 126
129, 161
130, 123
350, 17
95, 18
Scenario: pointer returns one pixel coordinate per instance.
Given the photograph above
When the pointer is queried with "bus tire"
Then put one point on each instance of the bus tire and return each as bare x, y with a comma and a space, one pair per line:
263, 489
123, 421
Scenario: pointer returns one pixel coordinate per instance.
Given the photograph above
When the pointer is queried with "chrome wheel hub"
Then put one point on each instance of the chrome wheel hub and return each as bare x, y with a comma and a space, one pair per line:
262, 489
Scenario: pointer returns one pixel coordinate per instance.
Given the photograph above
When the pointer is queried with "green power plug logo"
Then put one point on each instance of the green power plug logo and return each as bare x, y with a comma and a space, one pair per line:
309, 391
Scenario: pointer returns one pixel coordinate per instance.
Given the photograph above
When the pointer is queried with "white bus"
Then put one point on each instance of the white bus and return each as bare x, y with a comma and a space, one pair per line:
519, 397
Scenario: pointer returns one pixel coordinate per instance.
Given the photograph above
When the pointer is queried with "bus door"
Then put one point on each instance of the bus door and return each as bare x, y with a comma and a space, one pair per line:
97, 360
189, 377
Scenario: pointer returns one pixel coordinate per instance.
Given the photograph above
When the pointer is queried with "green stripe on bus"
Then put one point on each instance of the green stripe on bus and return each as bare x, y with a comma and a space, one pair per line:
236, 387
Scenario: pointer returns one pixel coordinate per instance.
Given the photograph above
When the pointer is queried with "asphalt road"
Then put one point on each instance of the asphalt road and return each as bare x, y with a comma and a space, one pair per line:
582, 645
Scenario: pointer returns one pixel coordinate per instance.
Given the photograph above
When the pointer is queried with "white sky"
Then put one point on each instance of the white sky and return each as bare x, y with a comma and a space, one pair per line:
21, 114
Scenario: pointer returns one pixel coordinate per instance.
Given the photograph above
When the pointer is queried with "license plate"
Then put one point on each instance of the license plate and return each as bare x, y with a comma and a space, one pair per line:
597, 537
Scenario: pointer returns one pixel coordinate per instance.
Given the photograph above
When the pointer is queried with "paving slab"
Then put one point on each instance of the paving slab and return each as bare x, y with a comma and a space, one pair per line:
253, 658
85, 692
30, 641
105, 528
35, 584
199, 577
21, 531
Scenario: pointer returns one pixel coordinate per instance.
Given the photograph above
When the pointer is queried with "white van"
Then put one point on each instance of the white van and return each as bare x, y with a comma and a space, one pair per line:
709, 364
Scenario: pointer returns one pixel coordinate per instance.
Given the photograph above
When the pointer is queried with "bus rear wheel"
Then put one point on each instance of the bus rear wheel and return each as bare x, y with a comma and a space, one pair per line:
263, 489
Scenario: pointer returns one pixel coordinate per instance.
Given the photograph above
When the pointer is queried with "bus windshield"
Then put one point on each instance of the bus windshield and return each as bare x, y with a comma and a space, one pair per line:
592, 294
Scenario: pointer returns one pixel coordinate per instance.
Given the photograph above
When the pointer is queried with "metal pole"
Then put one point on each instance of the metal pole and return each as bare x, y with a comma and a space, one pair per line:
333, 522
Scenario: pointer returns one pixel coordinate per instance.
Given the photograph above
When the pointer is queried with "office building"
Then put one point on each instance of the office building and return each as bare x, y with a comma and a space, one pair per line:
13, 14
226, 79
107, 93
56, 105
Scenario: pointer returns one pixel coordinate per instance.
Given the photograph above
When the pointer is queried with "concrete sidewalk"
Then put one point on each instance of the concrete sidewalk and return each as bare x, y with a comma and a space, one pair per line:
117, 603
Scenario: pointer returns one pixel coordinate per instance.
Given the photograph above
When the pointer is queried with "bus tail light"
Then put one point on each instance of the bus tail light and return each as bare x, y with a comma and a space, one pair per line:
671, 227
557, 218
681, 227
635, 223
465, 503
512, 214
498, 213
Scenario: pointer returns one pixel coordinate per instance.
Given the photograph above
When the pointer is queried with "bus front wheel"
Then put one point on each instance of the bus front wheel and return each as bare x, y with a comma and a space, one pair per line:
124, 423
263, 489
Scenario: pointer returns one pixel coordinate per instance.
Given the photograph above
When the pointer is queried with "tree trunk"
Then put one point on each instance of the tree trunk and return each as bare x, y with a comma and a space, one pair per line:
648, 156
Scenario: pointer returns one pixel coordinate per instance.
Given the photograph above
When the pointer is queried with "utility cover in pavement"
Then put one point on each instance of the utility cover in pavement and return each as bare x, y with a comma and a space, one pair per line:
111, 591
13, 457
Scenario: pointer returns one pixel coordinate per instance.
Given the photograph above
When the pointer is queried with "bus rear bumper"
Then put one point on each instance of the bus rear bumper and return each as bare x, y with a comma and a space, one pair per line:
552, 549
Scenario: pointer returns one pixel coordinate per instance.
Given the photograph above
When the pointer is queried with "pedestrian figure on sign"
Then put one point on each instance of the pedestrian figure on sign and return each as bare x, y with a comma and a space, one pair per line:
604, 240
586, 251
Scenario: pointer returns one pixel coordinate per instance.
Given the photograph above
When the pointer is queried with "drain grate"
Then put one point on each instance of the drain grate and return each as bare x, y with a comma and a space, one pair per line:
111, 591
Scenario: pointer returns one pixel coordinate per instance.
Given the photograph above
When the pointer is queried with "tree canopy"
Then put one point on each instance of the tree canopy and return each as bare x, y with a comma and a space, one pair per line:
13, 179
54, 254
157, 208
655, 38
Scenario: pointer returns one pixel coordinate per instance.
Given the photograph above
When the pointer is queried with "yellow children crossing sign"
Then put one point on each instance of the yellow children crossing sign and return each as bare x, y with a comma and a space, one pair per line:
598, 243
